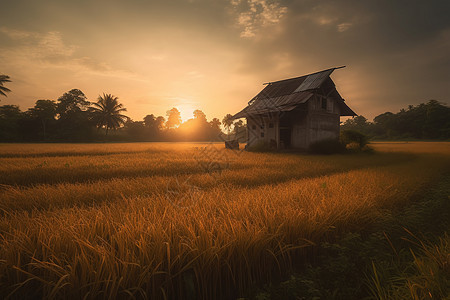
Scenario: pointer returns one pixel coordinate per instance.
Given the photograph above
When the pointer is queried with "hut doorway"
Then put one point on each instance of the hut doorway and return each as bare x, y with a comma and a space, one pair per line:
285, 137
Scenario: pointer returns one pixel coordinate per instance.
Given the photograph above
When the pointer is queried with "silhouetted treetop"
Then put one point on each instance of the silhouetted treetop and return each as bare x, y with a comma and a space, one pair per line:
150, 121
429, 120
3, 89
227, 122
173, 118
215, 123
43, 111
107, 112
199, 115
72, 101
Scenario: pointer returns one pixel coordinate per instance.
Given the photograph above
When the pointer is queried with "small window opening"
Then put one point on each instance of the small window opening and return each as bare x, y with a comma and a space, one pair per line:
262, 134
324, 103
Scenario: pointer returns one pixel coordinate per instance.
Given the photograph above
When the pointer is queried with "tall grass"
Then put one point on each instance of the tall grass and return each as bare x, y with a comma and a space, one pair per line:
427, 276
154, 224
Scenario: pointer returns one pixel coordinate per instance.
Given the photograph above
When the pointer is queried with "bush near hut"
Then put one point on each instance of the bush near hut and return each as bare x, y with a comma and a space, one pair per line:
353, 140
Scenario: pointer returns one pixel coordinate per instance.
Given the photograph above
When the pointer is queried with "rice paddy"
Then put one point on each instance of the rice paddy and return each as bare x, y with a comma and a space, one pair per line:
187, 221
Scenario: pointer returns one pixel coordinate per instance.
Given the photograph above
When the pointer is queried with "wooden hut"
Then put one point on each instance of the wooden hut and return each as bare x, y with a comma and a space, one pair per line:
295, 112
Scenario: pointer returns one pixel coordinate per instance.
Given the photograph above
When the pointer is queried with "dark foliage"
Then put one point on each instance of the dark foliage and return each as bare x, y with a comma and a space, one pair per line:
10, 118
4, 89
73, 118
348, 137
429, 120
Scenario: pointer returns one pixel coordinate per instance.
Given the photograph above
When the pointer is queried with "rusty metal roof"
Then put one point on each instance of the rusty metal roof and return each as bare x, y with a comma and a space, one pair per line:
280, 103
285, 95
314, 81
280, 88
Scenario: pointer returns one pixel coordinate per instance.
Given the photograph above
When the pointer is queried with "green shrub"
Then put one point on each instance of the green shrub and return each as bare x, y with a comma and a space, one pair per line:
328, 146
353, 140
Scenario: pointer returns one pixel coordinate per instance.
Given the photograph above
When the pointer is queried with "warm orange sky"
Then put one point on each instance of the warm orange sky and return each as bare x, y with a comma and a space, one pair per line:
214, 55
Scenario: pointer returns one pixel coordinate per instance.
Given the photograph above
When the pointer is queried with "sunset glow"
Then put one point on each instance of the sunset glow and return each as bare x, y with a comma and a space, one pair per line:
215, 55
224, 149
186, 111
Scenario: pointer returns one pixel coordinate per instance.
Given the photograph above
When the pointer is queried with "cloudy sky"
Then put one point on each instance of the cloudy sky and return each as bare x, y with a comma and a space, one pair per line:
214, 55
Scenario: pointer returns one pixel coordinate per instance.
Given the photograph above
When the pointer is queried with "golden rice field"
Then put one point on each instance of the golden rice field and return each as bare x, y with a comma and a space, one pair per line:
186, 221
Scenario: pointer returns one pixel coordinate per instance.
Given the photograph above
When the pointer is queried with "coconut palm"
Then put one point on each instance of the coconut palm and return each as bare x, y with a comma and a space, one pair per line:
3, 79
107, 112
227, 122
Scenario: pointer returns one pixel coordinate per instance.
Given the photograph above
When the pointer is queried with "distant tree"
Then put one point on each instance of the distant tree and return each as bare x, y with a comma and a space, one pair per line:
383, 119
150, 121
239, 130
3, 89
199, 115
173, 118
384, 124
74, 117
238, 124
45, 112
136, 130
201, 127
10, 112
72, 102
160, 121
10, 116
215, 124
436, 123
107, 112
215, 129
227, 122
358, 123
153, 126
429, 120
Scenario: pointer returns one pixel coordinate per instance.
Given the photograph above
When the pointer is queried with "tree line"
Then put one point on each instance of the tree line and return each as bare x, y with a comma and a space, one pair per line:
73, 118
430, 121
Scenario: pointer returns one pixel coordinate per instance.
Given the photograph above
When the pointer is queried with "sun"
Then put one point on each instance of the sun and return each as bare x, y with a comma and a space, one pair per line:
186, 111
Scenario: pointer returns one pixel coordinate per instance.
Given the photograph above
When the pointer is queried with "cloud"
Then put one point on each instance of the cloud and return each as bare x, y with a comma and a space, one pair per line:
255, 15
51, 45
42, 47
26, 49
344, 26
14, 33
395, 55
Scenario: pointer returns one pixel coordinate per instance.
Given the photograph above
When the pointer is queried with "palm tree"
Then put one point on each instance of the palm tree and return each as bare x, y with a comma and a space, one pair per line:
107, 112
3, 79
227, 122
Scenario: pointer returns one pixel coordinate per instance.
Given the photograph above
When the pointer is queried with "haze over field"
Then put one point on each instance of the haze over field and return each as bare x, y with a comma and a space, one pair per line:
214, 55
